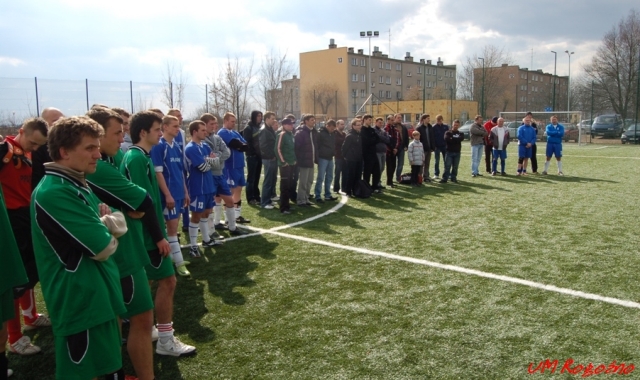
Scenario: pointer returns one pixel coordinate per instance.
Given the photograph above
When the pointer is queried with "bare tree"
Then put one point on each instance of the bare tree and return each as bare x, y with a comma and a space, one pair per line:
323, 95
143, 103
614, 66
470, 86
173, 84
231, 90
273, 70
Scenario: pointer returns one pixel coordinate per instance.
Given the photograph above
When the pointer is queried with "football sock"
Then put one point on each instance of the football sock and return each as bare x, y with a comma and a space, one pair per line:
546, 166
28, 306
229, 213
193, 234
559, 166
204, 228
217, 214
176, 253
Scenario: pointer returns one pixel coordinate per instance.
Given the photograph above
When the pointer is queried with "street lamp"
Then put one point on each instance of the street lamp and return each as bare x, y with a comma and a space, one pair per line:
369, 34
555, 61
482, 103
569, 82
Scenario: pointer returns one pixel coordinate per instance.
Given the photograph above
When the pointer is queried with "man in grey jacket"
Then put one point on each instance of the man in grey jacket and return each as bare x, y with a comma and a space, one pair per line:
267, 138
477, 133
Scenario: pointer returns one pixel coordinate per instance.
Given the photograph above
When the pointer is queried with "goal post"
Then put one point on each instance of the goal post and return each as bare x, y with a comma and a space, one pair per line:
571, 120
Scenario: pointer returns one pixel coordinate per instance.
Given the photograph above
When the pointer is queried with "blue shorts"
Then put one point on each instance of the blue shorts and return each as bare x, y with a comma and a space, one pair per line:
173, 213
501, 154
235, 177
201, 202
221, 185
554, 148
524, 152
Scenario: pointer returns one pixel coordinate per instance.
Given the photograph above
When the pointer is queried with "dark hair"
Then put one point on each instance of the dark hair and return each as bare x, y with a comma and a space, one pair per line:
68, 132
103, 115
207, 117
194, 126
142, 121
35, 124
367, 116
424, 116
308, 117
331, 123
120, 111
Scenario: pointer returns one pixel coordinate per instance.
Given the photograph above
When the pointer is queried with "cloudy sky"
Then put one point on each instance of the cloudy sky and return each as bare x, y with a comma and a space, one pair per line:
122, 40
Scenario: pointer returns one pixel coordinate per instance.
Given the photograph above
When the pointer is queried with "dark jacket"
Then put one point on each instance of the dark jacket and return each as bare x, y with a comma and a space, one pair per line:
477, 133
395, 138
306, 145
381, 146
405, 137
438, 133
453, 139
284, 149
250, 134
267, 138
339, 139
352, 147
369, 139
326, 144
427, 137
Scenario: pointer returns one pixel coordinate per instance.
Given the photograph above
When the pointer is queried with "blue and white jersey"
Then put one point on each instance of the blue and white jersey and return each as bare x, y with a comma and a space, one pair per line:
200, 180
236, 161
180, 141
168, 160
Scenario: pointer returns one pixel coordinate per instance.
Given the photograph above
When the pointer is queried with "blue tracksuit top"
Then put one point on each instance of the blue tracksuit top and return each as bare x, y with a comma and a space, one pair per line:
526, 134
554, 133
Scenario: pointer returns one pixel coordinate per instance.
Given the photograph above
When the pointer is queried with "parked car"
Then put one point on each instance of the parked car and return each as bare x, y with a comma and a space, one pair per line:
631, 135
571, 132
607, 126
585, 125
512, 126
465, 128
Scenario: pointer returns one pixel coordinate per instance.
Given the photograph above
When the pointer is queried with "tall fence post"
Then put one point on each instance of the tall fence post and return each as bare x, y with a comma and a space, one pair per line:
37, 100
86, 88
131, 94
171, 93
206, 96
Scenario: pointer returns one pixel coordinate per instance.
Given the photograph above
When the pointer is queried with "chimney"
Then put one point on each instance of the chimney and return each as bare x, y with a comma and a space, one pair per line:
295, 76
422, 60
408, 57
360, 51
385, 55
428, 61
440, 63
505, 65
332, 44
350, 50
376, 52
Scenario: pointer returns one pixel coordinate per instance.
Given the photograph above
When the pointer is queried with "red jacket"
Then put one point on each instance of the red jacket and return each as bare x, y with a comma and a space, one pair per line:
487, 126
15, 174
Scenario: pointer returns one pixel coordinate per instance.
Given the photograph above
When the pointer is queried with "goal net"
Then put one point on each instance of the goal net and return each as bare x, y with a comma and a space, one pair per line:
574, 130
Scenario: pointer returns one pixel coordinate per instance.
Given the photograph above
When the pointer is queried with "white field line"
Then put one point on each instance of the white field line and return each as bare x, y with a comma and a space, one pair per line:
602, 147
454, 268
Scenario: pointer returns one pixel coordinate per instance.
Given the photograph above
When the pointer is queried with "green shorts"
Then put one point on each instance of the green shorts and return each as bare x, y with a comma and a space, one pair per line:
136, 294
90, 353
160, 267
6, 306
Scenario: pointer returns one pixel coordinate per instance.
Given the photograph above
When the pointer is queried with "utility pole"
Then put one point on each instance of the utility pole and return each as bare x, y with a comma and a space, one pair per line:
369, 34
482, 103
569, 83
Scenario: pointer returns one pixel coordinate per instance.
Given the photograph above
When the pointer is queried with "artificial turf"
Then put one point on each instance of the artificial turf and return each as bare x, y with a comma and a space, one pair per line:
273, 307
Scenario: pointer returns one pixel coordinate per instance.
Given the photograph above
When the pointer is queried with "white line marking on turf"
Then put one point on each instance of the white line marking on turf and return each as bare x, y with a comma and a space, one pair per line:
537, 285
454, 268
602, 147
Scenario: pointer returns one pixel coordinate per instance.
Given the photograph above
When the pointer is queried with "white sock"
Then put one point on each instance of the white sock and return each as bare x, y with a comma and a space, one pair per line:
204, 228
217, 214
210, 222
238, 211
546, 166
229, 212
176, 253
559, 166
193, 234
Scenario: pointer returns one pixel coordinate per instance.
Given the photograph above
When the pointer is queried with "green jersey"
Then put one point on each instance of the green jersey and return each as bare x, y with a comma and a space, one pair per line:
138, 168
12, 272
114, 189
80, 292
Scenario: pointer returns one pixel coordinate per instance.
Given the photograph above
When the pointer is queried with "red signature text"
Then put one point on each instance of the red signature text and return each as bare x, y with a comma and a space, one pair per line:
583, 370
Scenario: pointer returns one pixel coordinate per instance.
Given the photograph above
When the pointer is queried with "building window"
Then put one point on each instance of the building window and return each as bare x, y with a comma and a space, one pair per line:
387, 65
363, 93
363, 77
419, 69
381, 79
409, 73
354, 61
399, 81
511, 76
398, 66
388, 80
362, 62
379, 65
381, 94
354, 77
339, 59
354, 93
398, 95
388, 94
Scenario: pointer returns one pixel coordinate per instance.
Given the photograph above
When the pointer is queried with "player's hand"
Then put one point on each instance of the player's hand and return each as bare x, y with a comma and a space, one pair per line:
104, 209
171, 203
395, 151
187, 200
135, 214
163, 247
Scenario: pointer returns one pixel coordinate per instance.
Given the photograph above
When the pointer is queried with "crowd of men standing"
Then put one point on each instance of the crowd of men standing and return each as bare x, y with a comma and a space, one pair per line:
94, 204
